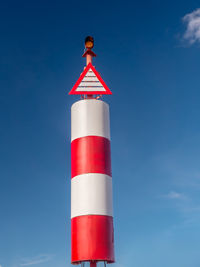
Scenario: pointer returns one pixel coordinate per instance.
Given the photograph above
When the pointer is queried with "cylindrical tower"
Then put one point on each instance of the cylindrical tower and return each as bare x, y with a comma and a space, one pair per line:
92, 237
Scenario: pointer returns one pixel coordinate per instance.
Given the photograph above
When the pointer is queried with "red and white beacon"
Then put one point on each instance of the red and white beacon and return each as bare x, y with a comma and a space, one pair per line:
92, 235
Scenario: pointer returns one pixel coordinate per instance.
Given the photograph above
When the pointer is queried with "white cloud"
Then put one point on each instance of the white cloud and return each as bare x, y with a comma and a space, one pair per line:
192, 21
174, 195
36, 260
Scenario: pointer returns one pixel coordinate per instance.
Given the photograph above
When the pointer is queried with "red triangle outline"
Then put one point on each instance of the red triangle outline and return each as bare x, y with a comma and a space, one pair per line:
74, 92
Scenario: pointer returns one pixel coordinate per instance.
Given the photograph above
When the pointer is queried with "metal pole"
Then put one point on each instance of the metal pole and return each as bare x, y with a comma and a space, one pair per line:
88, 59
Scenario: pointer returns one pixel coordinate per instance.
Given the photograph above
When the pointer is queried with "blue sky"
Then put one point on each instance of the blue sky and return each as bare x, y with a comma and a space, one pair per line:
149, 55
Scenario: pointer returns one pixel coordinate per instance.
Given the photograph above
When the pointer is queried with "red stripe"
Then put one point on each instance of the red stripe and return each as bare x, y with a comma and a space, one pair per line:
90, 154
92, 238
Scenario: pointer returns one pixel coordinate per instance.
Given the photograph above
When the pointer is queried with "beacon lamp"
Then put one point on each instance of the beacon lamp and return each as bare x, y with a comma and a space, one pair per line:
89, 42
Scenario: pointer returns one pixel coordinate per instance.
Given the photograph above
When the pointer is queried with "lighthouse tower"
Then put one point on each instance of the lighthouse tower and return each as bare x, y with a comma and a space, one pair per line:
92, 235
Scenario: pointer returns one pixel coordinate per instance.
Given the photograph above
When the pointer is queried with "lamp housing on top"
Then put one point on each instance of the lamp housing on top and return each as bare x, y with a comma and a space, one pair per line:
89, 42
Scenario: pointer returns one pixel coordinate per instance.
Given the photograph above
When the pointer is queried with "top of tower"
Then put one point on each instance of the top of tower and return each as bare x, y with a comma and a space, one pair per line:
89, 42
90, 82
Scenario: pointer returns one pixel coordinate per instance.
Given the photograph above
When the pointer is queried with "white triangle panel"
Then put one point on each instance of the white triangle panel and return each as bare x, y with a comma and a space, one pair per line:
90, 83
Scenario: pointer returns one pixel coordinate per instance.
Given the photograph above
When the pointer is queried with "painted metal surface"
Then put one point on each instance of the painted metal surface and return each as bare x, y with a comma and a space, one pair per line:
90, 154
90, 117
90, 78
91, 184
99, 88
88, 84
92, 238
91, 193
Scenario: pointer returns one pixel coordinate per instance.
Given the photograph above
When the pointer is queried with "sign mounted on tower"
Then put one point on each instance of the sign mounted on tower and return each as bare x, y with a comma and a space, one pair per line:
90, 82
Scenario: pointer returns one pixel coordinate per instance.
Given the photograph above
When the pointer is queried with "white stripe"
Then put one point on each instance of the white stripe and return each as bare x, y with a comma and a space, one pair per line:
91, 194
90, 83
90, 117
90, 74
90, 89
93, 79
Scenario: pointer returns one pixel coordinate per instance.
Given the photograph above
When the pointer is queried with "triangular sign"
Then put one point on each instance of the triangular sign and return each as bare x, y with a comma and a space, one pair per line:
90, 82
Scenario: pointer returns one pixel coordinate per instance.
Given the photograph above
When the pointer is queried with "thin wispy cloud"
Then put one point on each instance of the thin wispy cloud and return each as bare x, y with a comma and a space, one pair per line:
192, 21
174, 195
187, 206
36, 260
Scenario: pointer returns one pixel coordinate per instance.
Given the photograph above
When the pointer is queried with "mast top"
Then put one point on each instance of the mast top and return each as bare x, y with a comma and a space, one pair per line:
89, 54
90, 82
